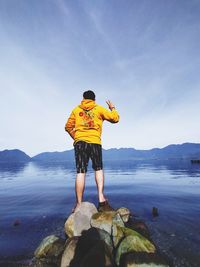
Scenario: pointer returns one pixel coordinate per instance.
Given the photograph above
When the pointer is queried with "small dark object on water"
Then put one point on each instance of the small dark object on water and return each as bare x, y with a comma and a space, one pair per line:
16, 223
155, 212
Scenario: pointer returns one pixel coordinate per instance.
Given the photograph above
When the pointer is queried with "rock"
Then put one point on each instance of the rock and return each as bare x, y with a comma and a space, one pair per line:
98, 256
118, 232
80, 220
124, 213
40, 263
117, 235
51, 246
96, 234
87, 208
103, 235
89, 239
78, 247
142, 259
69, 252
105, 220
81, 223
155, 212
133, 242
117, 220
138, 226
69, 225
16, 222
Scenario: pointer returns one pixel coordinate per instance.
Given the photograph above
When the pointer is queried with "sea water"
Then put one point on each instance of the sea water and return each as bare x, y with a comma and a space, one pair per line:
36, 199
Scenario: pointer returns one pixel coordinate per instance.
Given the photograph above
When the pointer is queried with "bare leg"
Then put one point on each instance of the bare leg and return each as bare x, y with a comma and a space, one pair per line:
80, 186
99, 177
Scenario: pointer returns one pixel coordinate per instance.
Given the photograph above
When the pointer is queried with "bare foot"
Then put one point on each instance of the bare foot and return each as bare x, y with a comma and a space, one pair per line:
75, 208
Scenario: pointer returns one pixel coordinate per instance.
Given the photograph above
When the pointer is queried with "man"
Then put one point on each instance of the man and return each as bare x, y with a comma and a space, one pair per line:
85, 127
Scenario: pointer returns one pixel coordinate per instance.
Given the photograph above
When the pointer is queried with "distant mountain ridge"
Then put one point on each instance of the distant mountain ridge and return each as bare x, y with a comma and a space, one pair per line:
55, 156
14, 155
184, 151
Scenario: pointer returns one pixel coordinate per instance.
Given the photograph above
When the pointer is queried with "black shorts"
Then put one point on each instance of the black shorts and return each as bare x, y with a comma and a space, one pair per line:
83, 152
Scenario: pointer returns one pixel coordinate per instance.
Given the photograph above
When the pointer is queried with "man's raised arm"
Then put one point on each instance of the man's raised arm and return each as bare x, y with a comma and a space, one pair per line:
112, 115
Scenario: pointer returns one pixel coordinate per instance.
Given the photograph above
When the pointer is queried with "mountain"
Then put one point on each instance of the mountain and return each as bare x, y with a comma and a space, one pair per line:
182, 151
55, 156
186, 150
14, 155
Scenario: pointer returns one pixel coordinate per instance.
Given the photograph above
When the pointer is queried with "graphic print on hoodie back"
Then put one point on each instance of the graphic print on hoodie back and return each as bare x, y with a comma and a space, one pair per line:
85, 121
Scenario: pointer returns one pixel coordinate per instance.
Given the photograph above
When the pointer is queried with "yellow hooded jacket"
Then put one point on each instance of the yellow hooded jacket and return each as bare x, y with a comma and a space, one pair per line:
85, 121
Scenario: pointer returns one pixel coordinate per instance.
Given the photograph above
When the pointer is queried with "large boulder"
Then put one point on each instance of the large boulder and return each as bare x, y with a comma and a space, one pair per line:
83, 250
133, 242
96, 234
105, 220
99, 256
80, 219
69, 253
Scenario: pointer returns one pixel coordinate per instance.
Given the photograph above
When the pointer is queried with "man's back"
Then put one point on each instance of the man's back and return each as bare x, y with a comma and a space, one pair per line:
85, 121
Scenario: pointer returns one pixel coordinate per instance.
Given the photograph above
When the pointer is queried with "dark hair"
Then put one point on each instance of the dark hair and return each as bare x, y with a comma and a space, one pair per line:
89, 95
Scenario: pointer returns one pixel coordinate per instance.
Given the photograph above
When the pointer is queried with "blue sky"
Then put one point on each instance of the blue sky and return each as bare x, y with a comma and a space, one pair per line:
142, 55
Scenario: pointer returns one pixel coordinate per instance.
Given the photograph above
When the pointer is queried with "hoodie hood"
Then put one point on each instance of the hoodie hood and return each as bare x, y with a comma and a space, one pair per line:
87, 104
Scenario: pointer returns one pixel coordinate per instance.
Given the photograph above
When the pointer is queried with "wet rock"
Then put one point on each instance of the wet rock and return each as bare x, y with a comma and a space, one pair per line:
124, 213
80, 220
142, 259
117, 235
89, 239
50, 247
69, 225
69, 252
98, 256
117, 220
138, 226
105, 220
16, 223
106, 238
133, 242
155, 212
97, 234
41, 263
77, 248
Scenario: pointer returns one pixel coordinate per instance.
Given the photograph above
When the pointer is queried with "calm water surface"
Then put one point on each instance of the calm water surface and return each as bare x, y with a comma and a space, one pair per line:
40, 197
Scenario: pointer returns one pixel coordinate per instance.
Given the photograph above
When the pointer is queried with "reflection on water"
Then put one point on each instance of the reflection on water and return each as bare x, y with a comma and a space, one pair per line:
41, 195
9, 169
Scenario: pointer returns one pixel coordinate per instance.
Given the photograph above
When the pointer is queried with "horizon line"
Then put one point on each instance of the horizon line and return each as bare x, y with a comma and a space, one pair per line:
102, 148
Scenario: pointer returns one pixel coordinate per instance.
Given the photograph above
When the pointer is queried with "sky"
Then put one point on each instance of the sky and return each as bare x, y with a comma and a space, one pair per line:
143, 55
